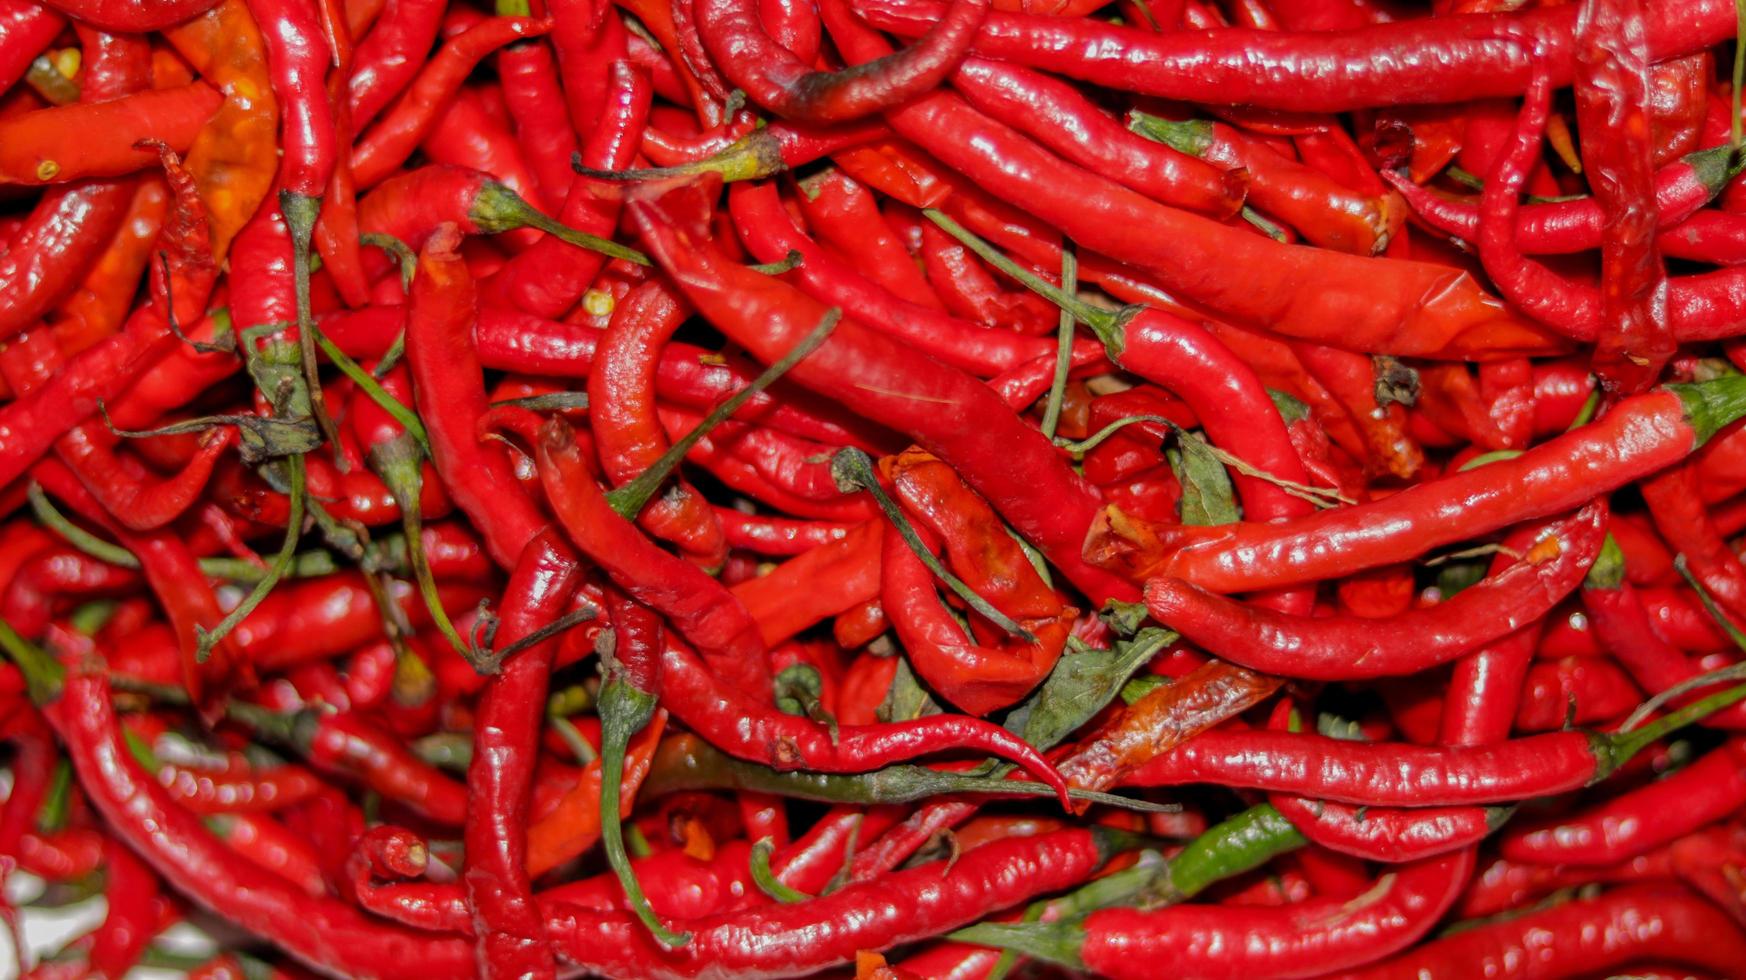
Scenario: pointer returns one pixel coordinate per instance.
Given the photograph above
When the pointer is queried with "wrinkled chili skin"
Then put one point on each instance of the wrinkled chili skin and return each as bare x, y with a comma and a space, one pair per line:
1292, 940
957, 418
1379, 773
785, 940
1637, 438
1636, 922
1420, 60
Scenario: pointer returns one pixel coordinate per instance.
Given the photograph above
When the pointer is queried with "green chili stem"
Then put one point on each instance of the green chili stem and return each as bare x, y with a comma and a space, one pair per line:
281, 563
1063, 345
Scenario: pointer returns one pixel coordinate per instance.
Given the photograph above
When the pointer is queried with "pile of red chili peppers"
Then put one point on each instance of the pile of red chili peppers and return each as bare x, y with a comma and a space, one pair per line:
926, 488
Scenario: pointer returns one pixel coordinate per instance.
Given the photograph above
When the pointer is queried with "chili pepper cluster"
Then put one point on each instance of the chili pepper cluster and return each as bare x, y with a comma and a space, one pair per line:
756, 488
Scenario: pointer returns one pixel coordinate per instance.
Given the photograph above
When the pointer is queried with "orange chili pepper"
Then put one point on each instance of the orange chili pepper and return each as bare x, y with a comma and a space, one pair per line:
573, 825
236, 155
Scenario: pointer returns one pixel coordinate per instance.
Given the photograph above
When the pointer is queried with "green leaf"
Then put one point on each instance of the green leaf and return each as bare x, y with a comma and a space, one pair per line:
1207, 497
1079, 687
907, 700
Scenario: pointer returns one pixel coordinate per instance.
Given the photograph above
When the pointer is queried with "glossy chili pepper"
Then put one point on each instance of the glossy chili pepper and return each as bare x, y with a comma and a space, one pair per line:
1681, 189
394, 137
1308, 937
510, 711
1395, 774
776, 79
552, 275
100, 305
1641, 435
388, 58
1394, 316
322, 932
769, 317
921, 901
1455, 58
53, 146
69, 226
1666, 922
1389, 834
846, 218
1055, 114
29, 28
770, 234
816, 584
1316, 206
1340, 648
450, 390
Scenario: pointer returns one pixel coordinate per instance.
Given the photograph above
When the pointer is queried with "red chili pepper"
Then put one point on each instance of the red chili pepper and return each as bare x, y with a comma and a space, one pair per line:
817, 584
769, 318
919, 902
776, 79
528, 73
54, 146
451, 392
1620, 926
512, 939
388, 58
771, 235
28, 29
1319, 934
1341, 648
550, 277
1639, 436
1454, 58
387, 145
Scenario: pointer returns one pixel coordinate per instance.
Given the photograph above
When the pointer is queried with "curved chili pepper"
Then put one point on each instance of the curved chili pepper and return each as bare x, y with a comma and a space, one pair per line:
776, 535
298, 55
1622, 626
70, 225
449, 389
1055, 114
957, 418
388, 58
112, 15
1316, 206
1300, 939
1620, 926
1389, 834
28, 28
512, 939
1455, 59
1637, 821
322, 932
845, 216
551, 276
698, 607
387, 145
770, 234
1340, 648
1641, 435
908, 904
53, 146
528, 73
1681, 189
627, 432
1394, 315
778, 80
818, 583
1395, 774
100, 305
